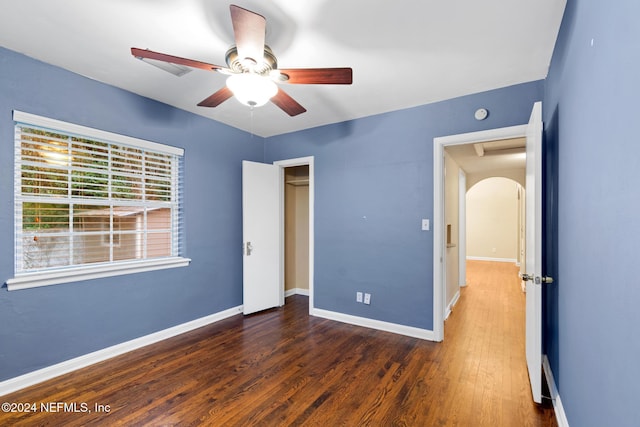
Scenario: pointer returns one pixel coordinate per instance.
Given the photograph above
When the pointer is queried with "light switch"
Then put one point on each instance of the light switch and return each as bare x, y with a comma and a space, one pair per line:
425, 225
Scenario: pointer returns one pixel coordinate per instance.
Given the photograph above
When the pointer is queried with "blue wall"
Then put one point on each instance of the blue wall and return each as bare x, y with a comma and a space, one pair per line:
44, 326
373, 185
591, 110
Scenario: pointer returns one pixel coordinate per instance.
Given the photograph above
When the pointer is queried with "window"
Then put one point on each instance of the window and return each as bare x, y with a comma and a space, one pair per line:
90, 203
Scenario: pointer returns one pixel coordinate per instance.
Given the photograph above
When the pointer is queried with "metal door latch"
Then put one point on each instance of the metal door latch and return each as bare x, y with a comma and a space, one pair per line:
536, 279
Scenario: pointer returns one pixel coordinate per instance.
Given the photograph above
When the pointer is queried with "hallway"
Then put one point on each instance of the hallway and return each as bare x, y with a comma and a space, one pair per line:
485, 340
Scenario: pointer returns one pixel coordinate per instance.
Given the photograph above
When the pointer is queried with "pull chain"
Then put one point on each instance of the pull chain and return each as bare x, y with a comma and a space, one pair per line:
251, 121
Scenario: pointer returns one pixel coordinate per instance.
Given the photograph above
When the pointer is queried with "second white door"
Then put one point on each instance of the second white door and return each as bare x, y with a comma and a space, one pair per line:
261, 235
534, 251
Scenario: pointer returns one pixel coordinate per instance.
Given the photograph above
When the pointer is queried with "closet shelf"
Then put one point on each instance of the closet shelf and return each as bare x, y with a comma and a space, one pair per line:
298, 181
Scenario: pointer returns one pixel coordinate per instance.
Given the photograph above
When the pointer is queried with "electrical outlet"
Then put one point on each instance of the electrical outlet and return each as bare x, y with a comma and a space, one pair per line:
358, 296
367, 299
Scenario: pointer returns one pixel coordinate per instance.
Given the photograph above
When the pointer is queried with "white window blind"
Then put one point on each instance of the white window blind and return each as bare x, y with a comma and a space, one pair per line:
87, 198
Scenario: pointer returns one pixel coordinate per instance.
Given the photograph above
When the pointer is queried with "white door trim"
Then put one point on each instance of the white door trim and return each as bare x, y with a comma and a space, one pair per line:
300, 161
439, 143
462, 228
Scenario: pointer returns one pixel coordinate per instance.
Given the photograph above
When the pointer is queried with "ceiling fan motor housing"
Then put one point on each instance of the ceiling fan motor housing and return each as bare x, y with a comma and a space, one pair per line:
240, 65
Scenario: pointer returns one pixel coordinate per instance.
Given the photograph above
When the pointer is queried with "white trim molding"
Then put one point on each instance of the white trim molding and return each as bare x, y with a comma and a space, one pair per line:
33, 119
395, 328
462, 227
296, 291
452, 304
561, 416
44, 374
32, 280
486, 258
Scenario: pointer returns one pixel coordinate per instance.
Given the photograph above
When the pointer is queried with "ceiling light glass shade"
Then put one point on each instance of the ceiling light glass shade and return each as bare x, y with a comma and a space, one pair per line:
252, 89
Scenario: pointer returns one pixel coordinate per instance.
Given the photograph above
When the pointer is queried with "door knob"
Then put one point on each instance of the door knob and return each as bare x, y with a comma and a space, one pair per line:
536, 279
526, 277
249, 248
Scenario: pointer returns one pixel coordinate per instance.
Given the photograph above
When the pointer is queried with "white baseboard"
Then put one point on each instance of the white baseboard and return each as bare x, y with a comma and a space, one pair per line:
483, 258
561, 416
450, 306
44, 374
296, 291
410, 331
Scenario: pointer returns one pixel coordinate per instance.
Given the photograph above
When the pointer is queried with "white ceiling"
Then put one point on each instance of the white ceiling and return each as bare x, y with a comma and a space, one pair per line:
505, 154
403, 53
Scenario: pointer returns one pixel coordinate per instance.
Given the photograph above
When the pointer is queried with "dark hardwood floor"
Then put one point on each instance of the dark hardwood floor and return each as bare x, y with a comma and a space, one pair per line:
282, 367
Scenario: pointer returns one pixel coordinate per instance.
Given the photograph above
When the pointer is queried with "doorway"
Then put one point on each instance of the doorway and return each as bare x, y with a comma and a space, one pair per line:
532, 133
297, 229
495, 220
444, 236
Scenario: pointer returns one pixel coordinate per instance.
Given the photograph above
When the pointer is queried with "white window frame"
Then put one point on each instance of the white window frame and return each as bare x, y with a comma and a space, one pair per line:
111, 235
24, 280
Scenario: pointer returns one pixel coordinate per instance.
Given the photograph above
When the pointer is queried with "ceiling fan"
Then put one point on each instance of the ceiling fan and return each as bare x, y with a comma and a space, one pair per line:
253, 69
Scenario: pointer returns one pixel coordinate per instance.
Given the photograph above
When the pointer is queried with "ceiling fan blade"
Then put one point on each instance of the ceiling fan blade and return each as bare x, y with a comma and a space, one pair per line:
217, 98
316, 76
287, 103
149, 54
249, 31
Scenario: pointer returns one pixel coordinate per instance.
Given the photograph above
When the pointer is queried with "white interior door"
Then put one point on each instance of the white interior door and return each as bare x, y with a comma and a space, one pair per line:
533, 255
261, 235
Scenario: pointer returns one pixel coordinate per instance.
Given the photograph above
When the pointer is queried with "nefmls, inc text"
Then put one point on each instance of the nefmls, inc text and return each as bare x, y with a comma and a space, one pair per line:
81, 407
52, 407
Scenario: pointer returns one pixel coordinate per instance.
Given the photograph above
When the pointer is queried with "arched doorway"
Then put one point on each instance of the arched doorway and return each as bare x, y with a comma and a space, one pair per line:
495, 220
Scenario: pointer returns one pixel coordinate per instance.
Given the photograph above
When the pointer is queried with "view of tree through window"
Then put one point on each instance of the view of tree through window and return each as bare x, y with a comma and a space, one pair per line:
82, 201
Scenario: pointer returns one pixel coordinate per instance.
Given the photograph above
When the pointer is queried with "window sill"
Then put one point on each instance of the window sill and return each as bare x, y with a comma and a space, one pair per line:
34, 280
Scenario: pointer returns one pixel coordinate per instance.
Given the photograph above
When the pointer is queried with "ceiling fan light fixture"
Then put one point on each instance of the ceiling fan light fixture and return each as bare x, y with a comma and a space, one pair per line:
252, 89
